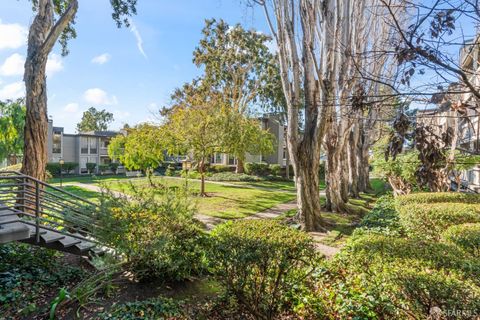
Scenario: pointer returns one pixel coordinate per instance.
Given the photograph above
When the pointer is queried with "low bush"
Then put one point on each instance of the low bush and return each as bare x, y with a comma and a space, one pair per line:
170, 171
27, 273
53, 168
70, 166
465, 236
262, 263
436, 197
429, 220
382, 218
91, 167
275, 169
382, 277
158, 308
257, 168
155, 232
217, 168
103, 168
114, 167
231, 176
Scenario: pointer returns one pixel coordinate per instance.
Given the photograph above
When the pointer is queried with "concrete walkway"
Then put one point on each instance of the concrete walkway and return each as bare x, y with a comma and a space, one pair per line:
210, 222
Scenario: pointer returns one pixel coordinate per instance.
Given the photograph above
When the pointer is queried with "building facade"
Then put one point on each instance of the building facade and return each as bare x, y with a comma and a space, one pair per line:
81, 148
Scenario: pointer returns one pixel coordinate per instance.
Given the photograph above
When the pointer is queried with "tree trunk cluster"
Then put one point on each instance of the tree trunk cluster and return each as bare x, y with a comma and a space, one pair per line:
329, 67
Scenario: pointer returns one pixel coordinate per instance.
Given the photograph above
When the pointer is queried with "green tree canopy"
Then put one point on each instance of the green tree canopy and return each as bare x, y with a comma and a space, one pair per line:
12, 125
141, 149
95, 120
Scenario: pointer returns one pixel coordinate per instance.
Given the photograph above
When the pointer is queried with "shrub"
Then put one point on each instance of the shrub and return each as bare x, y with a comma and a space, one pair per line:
261, 262
170, 171
435, 197
114, 167
217, 168
429, 220
377, 276
91, 167
103, 168
69, 166
465, 236
157, 308
155, 232
383, 217
275, 169
257, 168
53, 168
231, 176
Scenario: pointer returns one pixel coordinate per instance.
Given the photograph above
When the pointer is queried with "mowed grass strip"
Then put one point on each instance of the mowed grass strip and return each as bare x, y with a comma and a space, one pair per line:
223, 201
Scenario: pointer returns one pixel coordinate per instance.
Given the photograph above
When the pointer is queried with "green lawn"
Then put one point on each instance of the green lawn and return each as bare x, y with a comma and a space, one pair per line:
88, 178
229, 202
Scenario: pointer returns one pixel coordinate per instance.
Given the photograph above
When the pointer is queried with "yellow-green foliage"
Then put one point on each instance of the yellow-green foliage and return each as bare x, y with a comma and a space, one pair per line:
383, 277
465, 236
262, 263
429, 220
433, 197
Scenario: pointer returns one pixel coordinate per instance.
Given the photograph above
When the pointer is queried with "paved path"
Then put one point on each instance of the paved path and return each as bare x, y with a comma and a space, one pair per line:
210, 222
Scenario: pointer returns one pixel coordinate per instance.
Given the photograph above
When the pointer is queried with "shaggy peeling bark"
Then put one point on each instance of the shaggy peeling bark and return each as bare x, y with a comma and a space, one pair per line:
43, 35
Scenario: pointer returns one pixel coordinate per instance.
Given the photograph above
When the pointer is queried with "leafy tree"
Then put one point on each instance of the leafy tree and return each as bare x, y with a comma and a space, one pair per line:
141, 149
12, 123
461, 163
238, 64
195, 129
241, 135
399, 171
95, 120
53, 22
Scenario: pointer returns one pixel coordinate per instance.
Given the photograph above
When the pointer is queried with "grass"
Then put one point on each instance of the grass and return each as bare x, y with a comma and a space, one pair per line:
227, 202
83, 193
88, 179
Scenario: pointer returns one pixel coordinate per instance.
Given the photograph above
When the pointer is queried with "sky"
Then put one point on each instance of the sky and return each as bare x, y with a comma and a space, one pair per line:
130, 72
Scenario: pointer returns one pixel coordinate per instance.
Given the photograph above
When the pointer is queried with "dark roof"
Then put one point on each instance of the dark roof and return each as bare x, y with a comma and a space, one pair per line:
99, 133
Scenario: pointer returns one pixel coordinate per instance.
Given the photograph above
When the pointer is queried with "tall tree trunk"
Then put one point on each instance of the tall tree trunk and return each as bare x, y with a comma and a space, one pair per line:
353, 165
240, 168
201, 170
287, 165
308, 196
43, 35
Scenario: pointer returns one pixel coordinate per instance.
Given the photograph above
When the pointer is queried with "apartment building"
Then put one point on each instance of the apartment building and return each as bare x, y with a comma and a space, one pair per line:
273, 124
445, 115
81, 148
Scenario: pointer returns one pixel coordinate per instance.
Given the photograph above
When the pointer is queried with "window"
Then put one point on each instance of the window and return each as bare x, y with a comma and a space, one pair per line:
93, 145
218, 158
83, 145
284, 153
57, 142
231, 160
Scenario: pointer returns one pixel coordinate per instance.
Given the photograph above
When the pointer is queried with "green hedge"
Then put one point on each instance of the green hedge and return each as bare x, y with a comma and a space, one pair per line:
257, 168
383, 218
383, 277
217, 168
430, 220
54, 167
275, 169
434, 197
261, 263
465, 236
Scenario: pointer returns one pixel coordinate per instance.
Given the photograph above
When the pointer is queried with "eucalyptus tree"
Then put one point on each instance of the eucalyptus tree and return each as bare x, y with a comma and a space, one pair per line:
317, 42
53, 22
95, 120
239, 64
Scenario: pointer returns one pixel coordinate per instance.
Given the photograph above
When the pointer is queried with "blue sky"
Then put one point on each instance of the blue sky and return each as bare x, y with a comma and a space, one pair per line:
130, 72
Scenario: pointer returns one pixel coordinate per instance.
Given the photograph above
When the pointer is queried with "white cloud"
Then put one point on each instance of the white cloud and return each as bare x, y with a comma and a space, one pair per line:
13, 65
54, 64
71, 107
12, 36
97, 97
12, 91
121, 115
272, 46
102, 59
138, 36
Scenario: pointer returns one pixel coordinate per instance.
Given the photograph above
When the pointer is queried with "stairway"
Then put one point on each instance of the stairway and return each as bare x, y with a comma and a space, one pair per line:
36, 213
